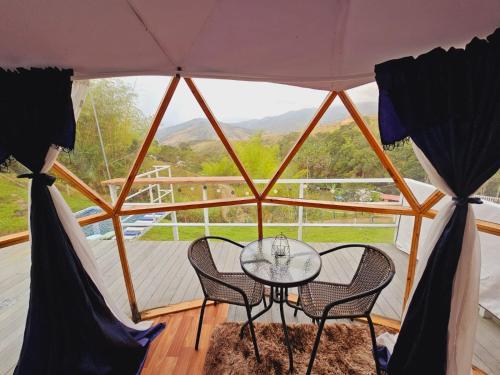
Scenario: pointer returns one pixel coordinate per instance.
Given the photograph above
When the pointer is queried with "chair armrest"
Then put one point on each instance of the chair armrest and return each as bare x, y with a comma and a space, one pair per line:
224, 239
348, 299
356, 296
216, 280
321, 253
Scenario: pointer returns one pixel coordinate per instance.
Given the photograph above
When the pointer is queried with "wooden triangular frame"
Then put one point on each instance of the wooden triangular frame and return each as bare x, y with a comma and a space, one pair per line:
375, 146
259, 199
118, 207
419, 211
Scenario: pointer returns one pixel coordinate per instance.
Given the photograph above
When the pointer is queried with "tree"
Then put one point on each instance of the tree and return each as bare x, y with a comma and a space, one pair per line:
345, 153
122, 126
259, 159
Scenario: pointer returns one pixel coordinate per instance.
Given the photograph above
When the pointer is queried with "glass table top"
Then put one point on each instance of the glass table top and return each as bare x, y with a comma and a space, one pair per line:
298, 266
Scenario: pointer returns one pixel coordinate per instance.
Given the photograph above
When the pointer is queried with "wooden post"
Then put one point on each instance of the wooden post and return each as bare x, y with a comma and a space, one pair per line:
384, 159
220, 133
259, 220
147, 142
120, 242
288, 158
412, 260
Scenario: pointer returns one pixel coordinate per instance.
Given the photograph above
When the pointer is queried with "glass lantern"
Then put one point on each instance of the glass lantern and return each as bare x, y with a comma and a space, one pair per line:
280, 246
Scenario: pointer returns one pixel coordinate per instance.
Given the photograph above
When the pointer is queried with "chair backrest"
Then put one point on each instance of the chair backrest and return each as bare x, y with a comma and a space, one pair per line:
375, 271
201, 259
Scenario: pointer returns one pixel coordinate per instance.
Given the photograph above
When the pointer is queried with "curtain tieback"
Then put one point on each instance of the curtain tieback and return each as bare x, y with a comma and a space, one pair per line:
44, 178
460, 201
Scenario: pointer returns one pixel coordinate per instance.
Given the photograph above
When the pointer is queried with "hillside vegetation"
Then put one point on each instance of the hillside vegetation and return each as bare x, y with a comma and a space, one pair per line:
335, 149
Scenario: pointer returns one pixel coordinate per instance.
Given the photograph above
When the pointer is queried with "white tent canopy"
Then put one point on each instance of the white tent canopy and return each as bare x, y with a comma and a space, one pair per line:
322, 44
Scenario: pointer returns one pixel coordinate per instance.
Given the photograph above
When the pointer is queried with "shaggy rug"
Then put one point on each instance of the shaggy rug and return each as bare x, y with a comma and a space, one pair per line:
344, 349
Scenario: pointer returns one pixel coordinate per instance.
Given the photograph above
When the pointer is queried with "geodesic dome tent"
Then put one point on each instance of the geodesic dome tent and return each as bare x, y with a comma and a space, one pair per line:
327, 45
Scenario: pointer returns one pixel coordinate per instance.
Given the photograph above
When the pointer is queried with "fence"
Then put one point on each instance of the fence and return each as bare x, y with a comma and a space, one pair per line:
155, 193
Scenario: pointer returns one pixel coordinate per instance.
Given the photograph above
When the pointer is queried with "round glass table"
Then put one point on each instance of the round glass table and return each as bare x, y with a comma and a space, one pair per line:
280, 264
297, 267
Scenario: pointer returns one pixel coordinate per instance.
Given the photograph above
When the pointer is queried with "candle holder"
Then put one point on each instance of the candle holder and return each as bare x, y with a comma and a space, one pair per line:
280, 246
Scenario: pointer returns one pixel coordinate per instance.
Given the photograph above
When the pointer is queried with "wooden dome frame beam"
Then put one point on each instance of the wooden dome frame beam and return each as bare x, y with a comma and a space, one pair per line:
300, 141
418, 211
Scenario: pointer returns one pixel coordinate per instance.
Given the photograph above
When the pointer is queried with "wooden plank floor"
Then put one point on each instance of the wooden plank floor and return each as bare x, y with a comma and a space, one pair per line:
162, 275
173, 351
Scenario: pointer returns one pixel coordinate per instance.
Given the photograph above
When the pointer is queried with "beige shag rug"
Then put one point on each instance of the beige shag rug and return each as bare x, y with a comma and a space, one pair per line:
344, 349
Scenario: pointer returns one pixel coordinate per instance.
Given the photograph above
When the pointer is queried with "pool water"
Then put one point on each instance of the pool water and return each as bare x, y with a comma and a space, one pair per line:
104, 229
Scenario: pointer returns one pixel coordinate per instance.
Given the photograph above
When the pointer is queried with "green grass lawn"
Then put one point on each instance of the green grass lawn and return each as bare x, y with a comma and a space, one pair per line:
14, 203
14, 218
311, 234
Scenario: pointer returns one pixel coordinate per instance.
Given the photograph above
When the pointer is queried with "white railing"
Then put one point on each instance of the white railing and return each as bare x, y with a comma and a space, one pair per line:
489, 199
158, 195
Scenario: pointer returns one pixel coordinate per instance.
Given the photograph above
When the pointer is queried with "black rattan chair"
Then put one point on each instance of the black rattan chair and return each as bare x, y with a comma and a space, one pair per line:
324, 300
229, 287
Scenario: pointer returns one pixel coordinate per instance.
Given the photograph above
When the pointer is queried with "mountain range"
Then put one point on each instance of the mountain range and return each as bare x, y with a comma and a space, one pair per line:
199, 129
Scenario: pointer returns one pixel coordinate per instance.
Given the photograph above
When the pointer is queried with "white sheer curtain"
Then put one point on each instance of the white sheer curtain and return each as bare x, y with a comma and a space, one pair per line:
73, 229
465, 295
82, 247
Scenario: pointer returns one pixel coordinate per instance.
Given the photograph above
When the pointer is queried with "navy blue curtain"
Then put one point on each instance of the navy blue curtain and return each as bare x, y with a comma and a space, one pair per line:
69, 328
448, 103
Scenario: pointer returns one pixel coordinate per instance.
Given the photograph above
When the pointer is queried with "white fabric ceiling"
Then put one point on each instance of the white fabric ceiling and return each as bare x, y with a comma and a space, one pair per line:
324, 44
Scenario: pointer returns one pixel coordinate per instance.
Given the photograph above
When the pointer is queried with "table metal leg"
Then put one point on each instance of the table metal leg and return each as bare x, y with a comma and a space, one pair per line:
280, 296
260, 313
282, 301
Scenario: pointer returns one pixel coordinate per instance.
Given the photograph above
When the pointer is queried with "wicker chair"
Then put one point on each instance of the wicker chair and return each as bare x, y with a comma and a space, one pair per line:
228, 287
323, 300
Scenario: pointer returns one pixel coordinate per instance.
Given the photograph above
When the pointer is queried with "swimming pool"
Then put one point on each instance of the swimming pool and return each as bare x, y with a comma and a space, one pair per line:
104, 229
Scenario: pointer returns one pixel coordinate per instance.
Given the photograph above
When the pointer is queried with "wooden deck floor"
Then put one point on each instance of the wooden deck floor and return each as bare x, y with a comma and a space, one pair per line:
173, 351
162, 275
